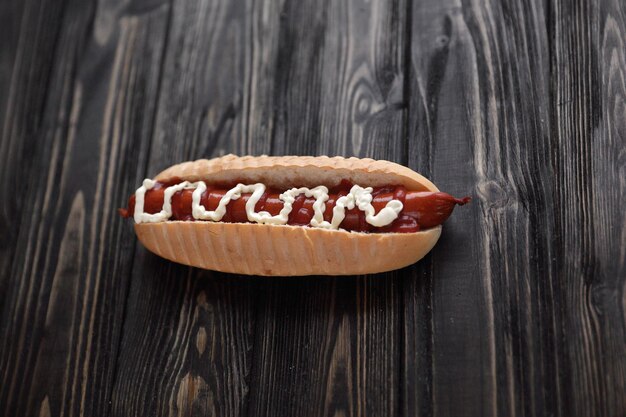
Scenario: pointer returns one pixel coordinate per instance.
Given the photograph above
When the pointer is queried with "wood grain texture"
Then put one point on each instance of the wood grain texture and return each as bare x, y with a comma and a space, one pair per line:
27, 61
520, 308
589, 157
329, 346
187, 340
482, 329
532, 319
66, 291
10, 18
326, 346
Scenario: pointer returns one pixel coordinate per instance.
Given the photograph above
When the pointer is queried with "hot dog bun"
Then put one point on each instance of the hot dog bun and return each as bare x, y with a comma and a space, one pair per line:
297, 171
262, 249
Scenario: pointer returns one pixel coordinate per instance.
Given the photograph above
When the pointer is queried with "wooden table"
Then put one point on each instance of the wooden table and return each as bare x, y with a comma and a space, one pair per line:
519, 310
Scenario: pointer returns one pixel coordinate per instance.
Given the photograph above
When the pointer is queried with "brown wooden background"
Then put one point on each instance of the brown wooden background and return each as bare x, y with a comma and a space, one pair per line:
521, 308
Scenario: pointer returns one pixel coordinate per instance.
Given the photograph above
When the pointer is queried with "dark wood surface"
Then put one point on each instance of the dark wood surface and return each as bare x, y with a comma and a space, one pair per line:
519, 310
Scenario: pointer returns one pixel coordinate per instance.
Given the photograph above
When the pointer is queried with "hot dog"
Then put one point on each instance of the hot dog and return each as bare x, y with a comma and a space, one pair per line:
290, 215
421, 209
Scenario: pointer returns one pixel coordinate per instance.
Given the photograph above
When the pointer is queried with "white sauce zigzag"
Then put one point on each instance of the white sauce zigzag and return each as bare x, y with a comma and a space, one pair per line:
358, 197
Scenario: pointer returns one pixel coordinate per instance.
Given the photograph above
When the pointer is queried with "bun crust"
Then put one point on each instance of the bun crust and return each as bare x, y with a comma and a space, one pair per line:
284, 172
261, 249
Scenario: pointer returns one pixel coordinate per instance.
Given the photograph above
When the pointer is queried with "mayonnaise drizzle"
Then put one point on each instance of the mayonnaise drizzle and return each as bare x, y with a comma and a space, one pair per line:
166, 212
358, 197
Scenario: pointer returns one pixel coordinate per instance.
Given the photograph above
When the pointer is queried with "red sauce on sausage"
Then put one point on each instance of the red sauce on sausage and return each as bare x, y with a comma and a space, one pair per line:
421, 209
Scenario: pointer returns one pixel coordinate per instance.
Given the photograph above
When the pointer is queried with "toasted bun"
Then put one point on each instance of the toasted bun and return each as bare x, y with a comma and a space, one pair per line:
260, 249
284, 172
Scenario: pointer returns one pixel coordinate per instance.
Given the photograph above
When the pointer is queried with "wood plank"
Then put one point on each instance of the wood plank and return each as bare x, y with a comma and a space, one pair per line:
481, 316
187, 337
61, 325
11, 13
332, 84
26, 66
589, 156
